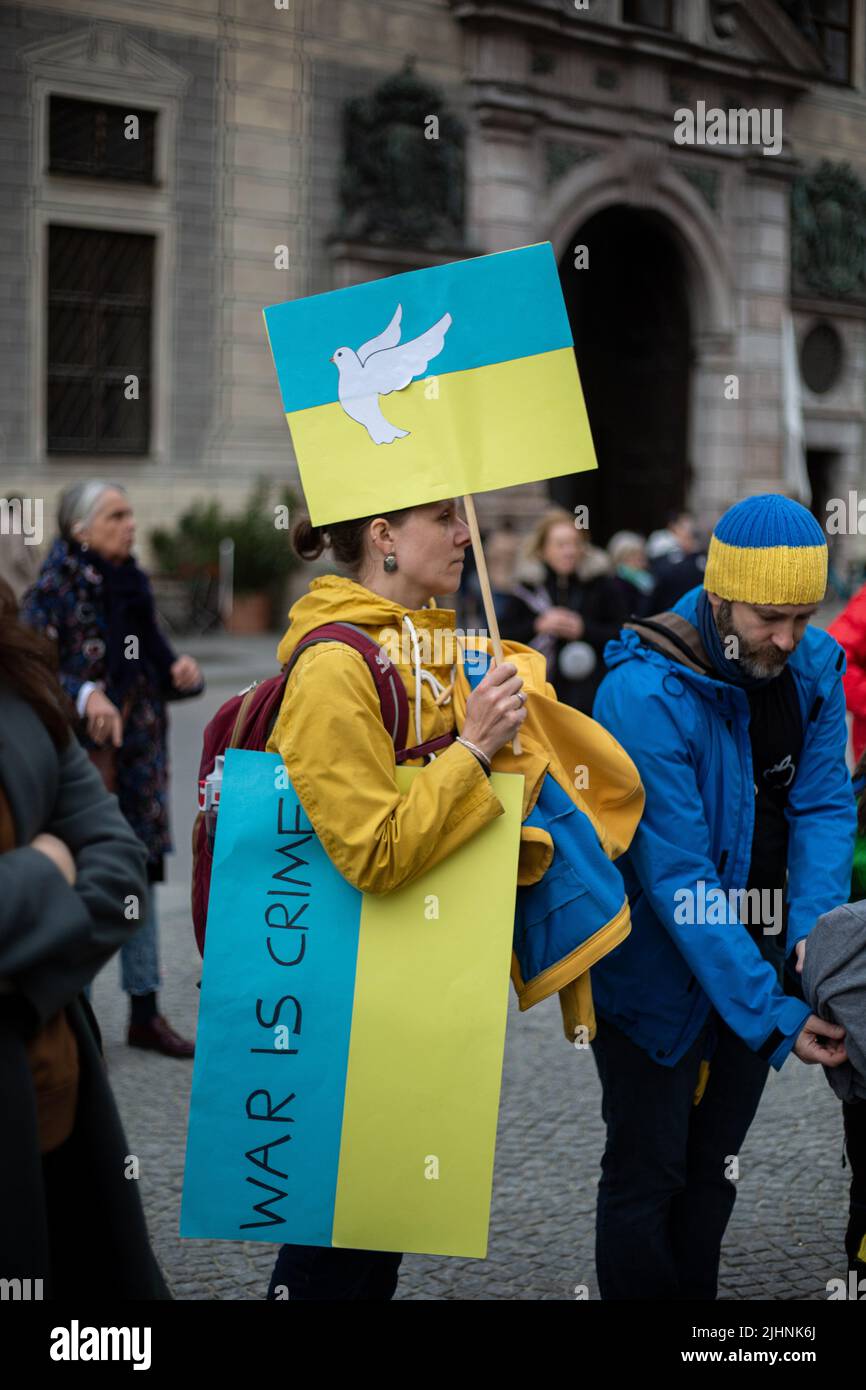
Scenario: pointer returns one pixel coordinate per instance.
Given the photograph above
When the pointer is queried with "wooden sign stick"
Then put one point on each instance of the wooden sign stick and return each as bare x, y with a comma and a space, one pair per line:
486, 593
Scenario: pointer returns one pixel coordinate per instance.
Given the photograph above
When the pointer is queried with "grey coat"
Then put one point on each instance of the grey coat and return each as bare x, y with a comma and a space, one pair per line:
53, 941
834, 983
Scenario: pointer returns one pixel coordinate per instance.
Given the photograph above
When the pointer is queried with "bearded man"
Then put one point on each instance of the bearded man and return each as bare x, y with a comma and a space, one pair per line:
732, 707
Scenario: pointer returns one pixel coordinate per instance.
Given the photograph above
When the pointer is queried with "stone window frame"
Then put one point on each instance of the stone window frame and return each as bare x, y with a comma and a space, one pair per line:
103, 62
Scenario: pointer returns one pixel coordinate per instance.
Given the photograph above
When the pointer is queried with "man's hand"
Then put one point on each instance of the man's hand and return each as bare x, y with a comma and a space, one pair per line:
821, 1042
186, 673
55, 850
104, 720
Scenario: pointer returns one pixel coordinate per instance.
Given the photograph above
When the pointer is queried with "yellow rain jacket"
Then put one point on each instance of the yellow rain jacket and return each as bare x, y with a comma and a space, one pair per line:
340, 757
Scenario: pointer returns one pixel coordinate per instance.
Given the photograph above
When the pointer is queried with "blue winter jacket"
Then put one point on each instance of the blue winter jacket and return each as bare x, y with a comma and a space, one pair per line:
688, 734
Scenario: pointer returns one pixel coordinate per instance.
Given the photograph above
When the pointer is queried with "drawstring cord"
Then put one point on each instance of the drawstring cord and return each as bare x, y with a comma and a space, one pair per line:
441, 693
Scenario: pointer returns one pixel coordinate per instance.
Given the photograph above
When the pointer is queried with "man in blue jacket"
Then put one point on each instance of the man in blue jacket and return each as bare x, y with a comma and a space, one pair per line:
733, 710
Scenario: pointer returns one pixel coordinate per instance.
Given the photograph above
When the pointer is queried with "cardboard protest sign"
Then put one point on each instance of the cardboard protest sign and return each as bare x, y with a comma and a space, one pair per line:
349, 1050
432, 384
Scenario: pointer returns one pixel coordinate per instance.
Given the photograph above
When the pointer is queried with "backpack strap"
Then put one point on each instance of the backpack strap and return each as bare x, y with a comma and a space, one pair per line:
393, 700
676, 638
430, 746
238, 728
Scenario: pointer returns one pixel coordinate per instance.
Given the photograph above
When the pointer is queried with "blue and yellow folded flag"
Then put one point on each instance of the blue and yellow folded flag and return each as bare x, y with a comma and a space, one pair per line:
439, 382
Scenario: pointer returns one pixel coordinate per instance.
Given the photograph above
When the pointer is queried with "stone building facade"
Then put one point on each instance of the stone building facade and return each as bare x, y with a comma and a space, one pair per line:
689, 266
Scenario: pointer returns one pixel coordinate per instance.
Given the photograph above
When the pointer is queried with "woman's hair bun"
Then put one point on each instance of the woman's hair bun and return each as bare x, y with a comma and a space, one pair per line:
308, 540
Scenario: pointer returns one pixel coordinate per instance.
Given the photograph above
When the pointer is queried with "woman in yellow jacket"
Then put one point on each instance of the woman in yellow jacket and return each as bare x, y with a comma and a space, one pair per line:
340, 757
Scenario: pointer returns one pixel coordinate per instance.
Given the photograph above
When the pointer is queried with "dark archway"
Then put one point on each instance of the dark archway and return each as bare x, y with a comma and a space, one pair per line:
630, 319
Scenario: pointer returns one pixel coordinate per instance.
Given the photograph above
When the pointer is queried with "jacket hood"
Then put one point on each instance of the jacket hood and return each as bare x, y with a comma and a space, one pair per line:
332, 598
815, 655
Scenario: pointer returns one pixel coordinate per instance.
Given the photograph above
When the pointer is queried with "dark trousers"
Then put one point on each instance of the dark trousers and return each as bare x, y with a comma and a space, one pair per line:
311, 1272
663, 1199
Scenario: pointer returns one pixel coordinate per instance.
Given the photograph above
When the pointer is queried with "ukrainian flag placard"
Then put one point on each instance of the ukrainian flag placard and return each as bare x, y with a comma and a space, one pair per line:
410, 389
349, 1048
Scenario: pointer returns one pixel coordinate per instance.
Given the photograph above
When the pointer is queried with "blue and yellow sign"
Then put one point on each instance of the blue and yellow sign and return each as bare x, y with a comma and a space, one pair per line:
349, 1051
410, 389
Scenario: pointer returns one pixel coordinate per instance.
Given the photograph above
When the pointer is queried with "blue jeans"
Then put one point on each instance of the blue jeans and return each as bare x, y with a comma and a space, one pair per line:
139, 957
663, 1199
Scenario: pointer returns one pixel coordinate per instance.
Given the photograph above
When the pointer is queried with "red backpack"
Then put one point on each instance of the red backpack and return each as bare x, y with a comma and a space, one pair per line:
246, 721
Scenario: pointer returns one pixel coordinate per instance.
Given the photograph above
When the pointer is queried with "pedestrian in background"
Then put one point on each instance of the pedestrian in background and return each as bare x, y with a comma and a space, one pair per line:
676, 560
501, 551
20, 556
564, 603
70, 867
92, 600
631, 576
849, 629
834, 982
854, 1108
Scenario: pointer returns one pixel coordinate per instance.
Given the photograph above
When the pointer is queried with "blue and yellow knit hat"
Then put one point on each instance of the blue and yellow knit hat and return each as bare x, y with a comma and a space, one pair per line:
767, 549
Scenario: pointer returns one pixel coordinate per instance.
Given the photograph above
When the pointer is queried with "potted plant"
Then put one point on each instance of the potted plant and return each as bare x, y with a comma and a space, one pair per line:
263, 556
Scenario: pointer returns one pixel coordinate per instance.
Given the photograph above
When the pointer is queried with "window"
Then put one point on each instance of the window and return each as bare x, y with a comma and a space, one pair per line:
833, 23
821, 358
100, 296
653, 14
826, 24
99, 140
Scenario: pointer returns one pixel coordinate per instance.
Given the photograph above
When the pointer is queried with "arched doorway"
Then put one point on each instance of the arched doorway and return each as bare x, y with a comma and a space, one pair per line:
629, 314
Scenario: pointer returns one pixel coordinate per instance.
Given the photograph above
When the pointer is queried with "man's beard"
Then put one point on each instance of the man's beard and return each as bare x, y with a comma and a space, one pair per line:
756, 660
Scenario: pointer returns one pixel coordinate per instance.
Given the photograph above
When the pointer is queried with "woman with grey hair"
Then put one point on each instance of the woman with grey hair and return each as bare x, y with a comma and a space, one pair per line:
92, 600
627, 551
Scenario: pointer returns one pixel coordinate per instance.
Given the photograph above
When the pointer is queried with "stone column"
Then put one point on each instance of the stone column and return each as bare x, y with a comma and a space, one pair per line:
761, 268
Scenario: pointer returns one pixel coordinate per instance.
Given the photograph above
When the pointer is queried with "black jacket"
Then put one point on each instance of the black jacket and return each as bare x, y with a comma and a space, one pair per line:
604, 610
675, 574
53, 940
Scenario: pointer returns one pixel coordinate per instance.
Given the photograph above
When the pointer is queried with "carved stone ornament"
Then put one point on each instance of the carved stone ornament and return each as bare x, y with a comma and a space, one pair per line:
403, 166
559, 157
828, 232
706, 181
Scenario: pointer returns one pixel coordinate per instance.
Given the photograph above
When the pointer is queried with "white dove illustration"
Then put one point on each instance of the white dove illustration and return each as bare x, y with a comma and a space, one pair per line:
381, 366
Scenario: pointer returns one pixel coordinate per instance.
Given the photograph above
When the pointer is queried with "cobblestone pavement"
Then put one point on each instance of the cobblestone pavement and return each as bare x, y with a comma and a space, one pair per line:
785, 1237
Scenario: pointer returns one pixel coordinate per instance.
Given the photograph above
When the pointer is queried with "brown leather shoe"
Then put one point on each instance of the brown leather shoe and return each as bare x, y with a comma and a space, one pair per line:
159, 1036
